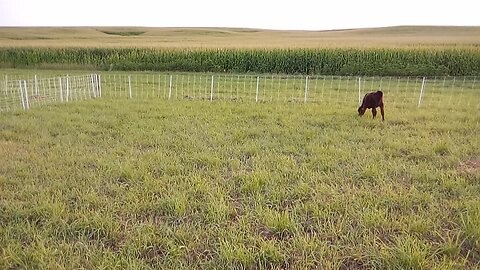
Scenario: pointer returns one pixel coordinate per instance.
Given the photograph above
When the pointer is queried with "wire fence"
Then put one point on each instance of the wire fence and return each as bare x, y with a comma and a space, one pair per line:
403, 92
35, 92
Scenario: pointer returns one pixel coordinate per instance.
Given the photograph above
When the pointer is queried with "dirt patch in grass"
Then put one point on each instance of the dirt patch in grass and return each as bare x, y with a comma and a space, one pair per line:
354, 263
9, 151
469, 166
11, 147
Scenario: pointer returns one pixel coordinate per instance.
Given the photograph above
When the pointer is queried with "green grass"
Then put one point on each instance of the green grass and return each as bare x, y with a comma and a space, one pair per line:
214, 185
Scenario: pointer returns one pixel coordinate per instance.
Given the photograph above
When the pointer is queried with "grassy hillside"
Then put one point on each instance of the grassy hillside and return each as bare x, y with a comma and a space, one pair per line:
402, 36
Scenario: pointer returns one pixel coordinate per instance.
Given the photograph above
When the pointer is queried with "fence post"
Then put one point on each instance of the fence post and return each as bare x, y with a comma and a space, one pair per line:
36, 85
6, 85
97, 90
92, 79
129, 87
99, 85
170, 88
211, 90
27, 104
21, 94
68, 87
359, 90
61, 90
306, 89
422, 91
95, 85
258, 84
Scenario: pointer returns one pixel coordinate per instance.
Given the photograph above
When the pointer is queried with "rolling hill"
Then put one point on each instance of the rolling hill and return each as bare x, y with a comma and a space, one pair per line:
142, 37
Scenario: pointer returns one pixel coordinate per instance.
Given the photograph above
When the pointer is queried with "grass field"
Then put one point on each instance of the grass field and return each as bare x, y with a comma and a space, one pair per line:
214, 185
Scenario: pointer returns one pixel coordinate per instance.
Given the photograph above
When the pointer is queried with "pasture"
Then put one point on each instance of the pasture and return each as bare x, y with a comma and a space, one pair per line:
152, 183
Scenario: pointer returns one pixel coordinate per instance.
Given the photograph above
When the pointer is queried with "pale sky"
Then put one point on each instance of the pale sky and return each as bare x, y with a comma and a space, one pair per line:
286, 15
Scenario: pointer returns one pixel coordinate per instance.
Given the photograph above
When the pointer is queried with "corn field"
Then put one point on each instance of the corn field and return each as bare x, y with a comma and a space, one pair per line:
358, 62
403, 92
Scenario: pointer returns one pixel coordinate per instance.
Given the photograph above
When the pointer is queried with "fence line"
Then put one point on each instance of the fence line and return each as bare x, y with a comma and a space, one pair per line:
405, 92
409, 92
34, 92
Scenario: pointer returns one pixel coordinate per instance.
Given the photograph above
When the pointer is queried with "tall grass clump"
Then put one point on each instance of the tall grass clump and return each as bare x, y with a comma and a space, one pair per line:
376, 61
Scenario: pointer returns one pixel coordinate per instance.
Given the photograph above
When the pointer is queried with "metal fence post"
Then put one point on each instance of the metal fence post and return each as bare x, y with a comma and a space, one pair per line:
170, 88
360, 91
422, 91
258, 84
129, 87
27, 104
68, 87
306, 89
99, 85
60, 88
21, 94
92, 79
211, 90
6, 85
36, 85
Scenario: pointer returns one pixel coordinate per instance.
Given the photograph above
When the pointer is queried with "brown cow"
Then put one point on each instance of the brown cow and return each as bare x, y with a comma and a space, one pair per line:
372, 101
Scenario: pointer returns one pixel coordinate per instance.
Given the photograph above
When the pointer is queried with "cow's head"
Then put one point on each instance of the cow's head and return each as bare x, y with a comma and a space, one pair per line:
361, 110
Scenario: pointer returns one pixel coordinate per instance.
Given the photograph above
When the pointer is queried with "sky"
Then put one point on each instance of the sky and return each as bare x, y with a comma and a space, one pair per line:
279, 15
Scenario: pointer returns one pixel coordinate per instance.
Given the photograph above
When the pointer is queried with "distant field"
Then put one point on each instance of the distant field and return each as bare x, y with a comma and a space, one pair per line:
399, 51
111, 37
153, 184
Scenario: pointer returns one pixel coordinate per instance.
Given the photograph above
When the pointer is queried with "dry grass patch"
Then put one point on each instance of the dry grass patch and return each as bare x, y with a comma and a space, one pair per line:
469, 166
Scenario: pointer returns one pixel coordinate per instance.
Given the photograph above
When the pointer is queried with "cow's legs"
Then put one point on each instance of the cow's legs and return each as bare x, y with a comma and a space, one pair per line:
374, 112
382, 112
